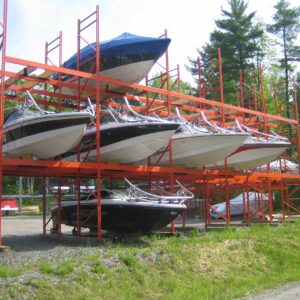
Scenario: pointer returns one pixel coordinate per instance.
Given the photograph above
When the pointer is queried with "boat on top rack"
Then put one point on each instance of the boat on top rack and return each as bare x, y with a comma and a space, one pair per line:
127, 57
133, 210
41, 134
194, 146
123, 140
259, 148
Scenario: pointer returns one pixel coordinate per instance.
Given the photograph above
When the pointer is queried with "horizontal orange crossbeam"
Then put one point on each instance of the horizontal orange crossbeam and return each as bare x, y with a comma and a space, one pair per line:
171, 94
72, 169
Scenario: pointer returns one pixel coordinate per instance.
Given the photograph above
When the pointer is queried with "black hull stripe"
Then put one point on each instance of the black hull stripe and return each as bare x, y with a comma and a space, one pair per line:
40, 127
114, 135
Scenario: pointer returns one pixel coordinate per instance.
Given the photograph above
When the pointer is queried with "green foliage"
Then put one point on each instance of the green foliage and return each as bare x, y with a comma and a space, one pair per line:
8, 272
286, 27
243, 46
160, 81
215, 265
62, 269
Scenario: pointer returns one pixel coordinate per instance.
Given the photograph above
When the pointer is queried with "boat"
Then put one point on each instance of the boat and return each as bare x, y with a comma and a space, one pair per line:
259, 148
194, 146
257, 203
280, 165
36, 133
134, 210
123, 140
127, 57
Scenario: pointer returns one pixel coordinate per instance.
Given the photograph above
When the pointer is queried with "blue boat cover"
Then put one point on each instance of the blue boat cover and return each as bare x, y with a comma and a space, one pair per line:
124, 44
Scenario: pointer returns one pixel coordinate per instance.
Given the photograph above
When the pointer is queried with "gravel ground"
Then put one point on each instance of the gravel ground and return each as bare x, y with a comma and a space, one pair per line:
286, 292
23, 235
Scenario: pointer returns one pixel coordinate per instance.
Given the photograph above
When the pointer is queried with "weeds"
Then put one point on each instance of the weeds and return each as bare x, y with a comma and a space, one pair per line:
216, 265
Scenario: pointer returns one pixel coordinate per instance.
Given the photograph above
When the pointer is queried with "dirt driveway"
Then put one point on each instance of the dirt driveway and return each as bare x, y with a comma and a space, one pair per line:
286, 292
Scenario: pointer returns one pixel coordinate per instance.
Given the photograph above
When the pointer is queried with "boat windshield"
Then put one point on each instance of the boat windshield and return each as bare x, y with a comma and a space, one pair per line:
20, 113
186, 128
106, 118
108, 194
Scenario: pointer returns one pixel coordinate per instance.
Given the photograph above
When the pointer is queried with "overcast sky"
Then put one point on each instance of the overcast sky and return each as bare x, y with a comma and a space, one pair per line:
33, 22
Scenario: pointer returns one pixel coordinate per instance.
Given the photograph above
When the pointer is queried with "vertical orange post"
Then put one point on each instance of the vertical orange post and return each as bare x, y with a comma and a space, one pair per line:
178, 79
242, 100
44, 205
47, 60
99, 210
221, 83
270, 200
2, 100
227, 195
244, 203
297, 118
78, 219
282, 201
59, 207
168, 77
199, 80
206, 204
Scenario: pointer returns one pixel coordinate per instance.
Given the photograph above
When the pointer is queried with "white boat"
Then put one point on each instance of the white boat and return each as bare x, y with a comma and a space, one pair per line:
259, 148
41, 134
127, 57
257, 202
281, 165
195, 146
124, 140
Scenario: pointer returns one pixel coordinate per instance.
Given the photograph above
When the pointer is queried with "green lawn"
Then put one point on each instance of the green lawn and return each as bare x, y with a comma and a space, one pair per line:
215, 265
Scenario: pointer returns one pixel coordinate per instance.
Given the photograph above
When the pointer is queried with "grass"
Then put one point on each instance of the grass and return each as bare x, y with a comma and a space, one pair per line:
216, 265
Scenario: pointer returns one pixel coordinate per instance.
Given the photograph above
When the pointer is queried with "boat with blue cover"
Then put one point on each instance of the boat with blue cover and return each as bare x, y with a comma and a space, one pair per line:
127, 57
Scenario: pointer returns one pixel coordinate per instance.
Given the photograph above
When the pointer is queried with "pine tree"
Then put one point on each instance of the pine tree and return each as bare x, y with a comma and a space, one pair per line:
238, 36
286, 28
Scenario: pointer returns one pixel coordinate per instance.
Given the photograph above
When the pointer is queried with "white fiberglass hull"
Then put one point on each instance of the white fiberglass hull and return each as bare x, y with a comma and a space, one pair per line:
133, 149
44, 136
252, 155
46, 144
125, 143
132, 73
257, 202
200, 150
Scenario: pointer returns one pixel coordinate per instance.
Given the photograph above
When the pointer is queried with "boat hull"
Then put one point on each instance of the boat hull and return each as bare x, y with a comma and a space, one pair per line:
120, 216
251, 155
125, 143
131, 73
44, 138
239, 206
196, 151
127, 58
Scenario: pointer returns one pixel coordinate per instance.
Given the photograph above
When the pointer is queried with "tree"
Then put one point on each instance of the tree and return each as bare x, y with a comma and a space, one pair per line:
238, 37
286, 27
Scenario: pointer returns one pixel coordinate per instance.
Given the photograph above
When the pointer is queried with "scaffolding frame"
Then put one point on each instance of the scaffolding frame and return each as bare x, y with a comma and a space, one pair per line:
206, 181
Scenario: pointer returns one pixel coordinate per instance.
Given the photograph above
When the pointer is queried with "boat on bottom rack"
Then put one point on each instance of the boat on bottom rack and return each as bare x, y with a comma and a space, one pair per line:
257, 203
133, 210
42, 134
